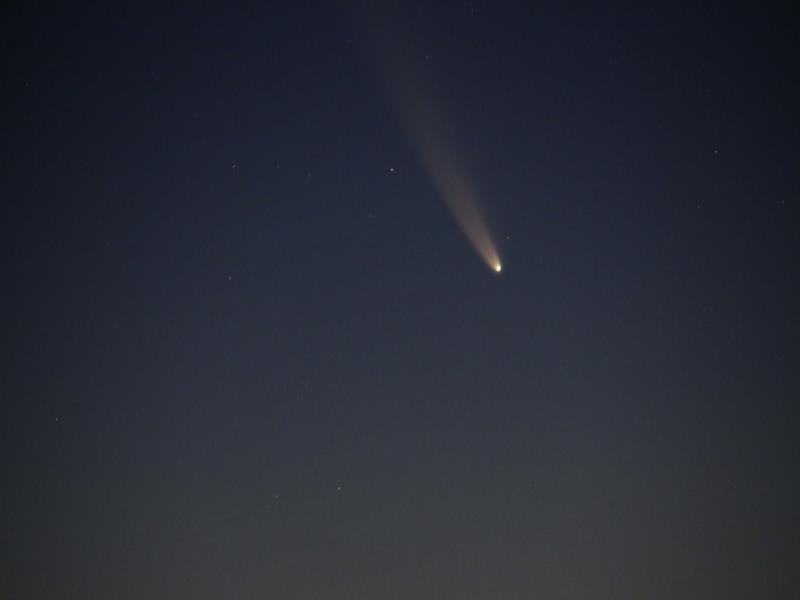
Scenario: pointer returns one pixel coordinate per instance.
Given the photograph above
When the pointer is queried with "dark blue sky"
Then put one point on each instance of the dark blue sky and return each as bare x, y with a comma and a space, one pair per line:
248, 353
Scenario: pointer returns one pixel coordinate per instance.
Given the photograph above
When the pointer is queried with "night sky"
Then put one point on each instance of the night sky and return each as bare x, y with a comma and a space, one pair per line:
248, 352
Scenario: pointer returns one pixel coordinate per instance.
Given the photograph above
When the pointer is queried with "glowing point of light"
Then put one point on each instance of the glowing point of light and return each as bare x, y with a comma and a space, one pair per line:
498, 267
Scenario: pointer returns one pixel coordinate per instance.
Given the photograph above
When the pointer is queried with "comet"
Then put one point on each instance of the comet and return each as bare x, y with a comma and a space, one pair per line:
430, 132
454, 186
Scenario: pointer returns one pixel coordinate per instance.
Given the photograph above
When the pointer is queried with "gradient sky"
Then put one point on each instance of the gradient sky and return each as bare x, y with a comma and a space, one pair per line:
248, 353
